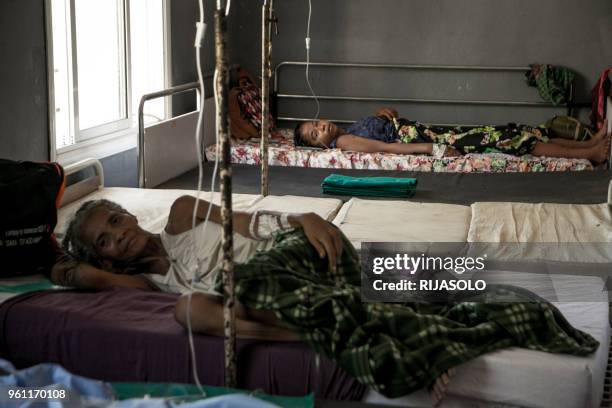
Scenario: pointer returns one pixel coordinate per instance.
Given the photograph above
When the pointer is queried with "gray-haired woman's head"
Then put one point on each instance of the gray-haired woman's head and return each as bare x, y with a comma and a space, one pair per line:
74, 243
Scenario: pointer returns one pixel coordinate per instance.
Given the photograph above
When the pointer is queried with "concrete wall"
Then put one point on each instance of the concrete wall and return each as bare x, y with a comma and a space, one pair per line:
478, 32
574, 34
185, 13
24, 130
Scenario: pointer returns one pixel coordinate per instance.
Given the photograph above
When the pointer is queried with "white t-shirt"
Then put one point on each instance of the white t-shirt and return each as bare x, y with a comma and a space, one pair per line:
182, 252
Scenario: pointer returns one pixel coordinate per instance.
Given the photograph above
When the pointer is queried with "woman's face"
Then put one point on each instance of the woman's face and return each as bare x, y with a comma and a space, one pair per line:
319, 132
114, 235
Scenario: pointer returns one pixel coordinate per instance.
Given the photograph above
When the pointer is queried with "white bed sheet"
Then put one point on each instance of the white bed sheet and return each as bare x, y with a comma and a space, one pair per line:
325, 207
555, 232
544, 222
402, 221
527, 378
150, 206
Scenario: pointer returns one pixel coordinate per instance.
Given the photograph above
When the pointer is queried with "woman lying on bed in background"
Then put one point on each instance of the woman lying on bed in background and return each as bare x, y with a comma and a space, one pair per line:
297, 276
387, 133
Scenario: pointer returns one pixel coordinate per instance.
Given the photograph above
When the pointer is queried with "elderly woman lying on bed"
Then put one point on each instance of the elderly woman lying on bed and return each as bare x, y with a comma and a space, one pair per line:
387, 133
297, 276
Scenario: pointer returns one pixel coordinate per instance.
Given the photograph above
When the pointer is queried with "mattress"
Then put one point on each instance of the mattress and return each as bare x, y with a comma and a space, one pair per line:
283, 152
527, 378
525, 222
574, 234
402, 221
131, 335
513, 377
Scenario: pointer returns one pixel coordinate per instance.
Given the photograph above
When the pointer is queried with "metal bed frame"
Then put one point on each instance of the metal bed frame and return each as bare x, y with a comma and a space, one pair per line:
408, 67
175, 90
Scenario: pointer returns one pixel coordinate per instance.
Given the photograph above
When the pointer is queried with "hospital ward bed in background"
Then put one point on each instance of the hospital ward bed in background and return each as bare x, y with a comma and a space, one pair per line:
131, 335
283, 152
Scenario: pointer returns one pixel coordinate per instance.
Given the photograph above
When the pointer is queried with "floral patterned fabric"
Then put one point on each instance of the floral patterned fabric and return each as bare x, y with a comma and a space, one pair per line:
249, 100
285, 153
517, 140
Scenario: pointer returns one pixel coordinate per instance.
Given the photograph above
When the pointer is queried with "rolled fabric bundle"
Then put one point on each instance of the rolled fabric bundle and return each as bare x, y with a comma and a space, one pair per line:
369, 186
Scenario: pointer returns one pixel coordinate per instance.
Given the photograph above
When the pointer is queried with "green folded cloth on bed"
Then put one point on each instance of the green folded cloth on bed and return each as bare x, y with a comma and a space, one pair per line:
369, 186
18, 285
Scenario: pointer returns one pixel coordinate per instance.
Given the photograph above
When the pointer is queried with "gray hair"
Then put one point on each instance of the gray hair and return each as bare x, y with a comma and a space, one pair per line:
73, 241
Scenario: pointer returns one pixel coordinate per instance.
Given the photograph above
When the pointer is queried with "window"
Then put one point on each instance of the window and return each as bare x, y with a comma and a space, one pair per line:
104, 56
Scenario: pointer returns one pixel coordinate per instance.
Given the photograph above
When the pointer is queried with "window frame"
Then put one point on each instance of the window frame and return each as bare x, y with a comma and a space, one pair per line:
105, 133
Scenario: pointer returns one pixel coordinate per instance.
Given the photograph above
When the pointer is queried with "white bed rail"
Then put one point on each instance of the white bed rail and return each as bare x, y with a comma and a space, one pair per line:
85, 186
168, 149
142, 153
86, 163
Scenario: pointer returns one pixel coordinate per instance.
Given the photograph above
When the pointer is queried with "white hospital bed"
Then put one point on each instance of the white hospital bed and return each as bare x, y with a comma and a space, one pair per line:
511, 377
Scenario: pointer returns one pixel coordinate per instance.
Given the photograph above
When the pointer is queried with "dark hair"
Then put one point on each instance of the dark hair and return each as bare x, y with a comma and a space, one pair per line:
298, 140
73, 241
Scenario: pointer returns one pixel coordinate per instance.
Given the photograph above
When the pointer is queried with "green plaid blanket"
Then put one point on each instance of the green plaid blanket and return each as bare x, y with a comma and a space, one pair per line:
394, 348
553, 83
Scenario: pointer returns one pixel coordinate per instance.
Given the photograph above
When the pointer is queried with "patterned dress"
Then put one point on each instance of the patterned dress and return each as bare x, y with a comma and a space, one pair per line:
511, 139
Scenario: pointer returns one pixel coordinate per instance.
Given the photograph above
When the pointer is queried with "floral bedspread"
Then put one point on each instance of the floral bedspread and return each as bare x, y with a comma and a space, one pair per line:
284, 153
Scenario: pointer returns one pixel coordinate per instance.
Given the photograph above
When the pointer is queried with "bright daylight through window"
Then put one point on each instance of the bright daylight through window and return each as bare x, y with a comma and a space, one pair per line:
105, 56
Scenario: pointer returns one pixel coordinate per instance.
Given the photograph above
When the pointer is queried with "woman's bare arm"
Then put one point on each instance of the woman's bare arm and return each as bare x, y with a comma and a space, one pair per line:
181, 216
71, 273
362, 144
207, 317
325, 237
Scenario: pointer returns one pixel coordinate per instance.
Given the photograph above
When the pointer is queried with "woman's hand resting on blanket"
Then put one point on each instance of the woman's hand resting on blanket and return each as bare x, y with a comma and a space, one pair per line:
325, 237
